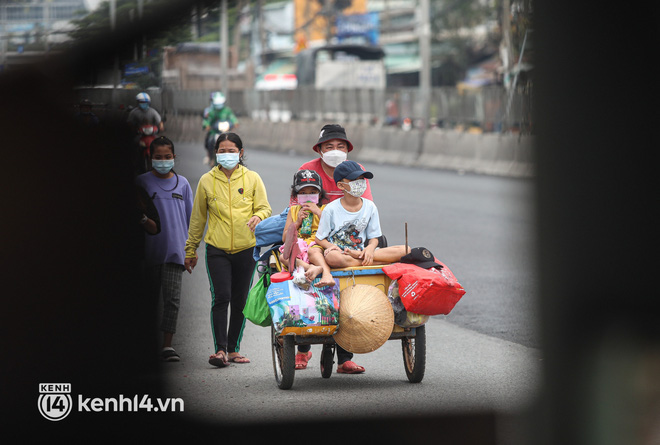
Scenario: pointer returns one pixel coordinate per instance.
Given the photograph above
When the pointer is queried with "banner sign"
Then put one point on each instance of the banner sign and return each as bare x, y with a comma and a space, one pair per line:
364, 26
133, 69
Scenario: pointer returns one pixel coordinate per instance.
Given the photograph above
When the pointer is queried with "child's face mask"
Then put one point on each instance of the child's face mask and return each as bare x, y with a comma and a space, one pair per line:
357, 187
163, 166
314, 198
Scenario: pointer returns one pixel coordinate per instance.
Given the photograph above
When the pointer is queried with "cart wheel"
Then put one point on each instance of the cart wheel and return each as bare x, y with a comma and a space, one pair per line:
414, 355
284, 360
327, 360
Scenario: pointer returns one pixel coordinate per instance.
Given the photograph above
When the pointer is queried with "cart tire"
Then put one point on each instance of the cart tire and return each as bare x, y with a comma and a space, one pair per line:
284, 360
414, 355
327, 360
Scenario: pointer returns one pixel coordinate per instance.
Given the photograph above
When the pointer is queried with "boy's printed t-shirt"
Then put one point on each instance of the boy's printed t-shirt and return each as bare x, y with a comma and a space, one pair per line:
349, 229
174, 203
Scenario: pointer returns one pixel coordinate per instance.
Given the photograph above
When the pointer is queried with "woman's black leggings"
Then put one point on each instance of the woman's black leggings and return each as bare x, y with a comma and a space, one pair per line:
229, 276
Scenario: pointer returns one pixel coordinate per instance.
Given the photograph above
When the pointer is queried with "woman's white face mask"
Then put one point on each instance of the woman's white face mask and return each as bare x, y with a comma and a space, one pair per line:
334, 157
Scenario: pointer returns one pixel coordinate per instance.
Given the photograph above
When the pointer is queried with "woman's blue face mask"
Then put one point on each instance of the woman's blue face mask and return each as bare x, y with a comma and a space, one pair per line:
227, 160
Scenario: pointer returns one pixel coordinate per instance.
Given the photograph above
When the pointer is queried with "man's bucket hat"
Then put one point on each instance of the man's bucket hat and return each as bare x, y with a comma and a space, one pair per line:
332, 131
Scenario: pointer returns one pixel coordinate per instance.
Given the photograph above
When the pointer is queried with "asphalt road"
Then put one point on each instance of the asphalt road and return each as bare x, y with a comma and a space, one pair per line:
481, 227
482, 356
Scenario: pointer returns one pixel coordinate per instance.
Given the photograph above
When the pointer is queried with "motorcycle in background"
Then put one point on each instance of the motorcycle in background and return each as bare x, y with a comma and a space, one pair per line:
147, 135
216, 129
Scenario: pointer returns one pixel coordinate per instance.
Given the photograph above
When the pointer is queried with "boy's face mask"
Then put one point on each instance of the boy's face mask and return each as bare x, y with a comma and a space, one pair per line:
357, 187
313, 198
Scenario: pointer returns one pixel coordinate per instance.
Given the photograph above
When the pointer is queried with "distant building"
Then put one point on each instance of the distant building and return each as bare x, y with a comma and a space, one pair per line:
196, 66
27, 22
29, 29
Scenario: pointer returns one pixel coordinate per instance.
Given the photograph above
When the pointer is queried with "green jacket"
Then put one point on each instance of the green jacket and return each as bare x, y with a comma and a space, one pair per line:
225, 114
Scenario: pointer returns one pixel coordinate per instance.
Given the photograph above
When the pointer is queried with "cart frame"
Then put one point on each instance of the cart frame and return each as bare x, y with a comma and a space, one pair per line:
413, 340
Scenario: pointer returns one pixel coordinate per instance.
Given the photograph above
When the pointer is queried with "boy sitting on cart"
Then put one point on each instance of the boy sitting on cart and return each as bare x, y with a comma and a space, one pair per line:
346, 222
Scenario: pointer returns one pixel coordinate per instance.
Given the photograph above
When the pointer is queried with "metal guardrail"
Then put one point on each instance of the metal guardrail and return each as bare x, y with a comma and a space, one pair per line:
484, 109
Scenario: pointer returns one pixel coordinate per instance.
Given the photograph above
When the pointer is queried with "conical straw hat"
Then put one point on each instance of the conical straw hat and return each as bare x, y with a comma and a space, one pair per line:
366, 319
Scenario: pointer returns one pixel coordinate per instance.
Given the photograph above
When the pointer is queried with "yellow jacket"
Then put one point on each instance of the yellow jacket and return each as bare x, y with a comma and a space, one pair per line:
227, 223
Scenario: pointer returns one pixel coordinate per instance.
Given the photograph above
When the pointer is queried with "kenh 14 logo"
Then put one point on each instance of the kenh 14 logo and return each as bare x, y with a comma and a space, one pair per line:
55, 400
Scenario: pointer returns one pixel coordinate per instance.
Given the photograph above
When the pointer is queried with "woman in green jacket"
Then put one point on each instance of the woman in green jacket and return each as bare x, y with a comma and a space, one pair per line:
232, 200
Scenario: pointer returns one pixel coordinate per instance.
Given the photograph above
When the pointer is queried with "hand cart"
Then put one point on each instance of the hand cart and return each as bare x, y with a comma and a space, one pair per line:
413, 340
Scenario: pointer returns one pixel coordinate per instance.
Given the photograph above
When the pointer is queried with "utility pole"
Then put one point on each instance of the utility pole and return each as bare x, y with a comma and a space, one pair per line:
46, 22
262, 33
425, 68
506, 52
4, 35
115, 64
143, 42
194, 13
224, 44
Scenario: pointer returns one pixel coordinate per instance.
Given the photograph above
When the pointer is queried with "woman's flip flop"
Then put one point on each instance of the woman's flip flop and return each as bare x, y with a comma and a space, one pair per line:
219, 359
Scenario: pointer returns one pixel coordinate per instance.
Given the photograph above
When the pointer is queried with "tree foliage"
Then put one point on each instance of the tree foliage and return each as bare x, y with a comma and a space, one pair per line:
143, 34
454, 15
97, 23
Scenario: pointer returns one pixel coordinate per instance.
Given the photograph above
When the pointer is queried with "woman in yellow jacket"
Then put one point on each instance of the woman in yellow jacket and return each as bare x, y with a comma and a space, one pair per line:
233, 200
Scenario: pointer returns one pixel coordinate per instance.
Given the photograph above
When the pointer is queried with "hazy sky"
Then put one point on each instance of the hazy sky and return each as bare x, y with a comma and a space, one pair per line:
92, 4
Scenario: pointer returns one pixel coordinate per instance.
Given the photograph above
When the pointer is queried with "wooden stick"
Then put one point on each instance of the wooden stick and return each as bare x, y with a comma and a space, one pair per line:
406, 239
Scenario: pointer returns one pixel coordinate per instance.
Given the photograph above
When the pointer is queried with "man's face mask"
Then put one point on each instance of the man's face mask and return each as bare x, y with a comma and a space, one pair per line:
143, 105
334, 157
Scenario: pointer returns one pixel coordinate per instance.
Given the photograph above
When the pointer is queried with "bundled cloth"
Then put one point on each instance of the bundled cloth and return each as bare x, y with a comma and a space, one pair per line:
402, 317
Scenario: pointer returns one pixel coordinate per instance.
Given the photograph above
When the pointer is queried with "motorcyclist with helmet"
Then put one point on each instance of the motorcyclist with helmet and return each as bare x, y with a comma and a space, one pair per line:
217, 113
143, 114
85, 116
142, 121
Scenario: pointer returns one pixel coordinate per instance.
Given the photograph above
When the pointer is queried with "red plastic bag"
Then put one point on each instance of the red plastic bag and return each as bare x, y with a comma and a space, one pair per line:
426, 291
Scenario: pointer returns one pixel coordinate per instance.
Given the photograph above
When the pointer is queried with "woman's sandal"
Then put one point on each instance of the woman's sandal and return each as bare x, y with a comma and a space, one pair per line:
219, 359
349, 368
301, 359
239, 359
